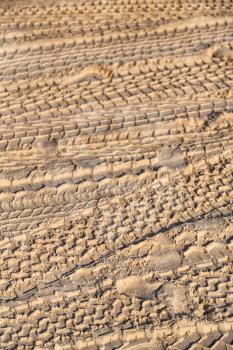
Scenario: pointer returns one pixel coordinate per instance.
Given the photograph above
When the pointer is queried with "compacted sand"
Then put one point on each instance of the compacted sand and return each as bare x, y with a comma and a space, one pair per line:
116, 122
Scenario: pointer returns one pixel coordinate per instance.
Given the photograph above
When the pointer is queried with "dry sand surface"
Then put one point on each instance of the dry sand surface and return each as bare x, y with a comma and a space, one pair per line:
116, 124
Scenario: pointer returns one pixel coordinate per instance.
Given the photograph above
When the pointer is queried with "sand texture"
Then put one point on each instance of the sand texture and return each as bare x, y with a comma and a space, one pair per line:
116, 169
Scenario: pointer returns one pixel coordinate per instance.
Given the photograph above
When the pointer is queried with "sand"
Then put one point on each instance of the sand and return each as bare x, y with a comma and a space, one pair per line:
116, 122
